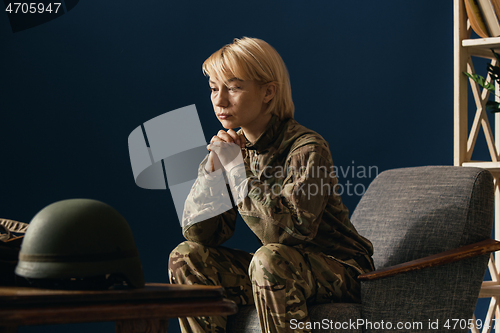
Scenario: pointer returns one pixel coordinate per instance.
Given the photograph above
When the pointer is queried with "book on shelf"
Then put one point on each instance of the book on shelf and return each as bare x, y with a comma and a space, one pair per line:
483, 17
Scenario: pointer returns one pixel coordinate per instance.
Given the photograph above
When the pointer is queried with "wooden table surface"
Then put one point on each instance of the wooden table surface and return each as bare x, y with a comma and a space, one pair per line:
133, 310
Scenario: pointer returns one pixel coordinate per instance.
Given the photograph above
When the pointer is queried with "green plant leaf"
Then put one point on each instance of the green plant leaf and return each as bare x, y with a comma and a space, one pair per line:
497, 56
494, 72
481, 81
492, 106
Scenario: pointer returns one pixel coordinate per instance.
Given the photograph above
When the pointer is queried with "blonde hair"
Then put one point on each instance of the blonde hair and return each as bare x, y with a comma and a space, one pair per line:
254, 59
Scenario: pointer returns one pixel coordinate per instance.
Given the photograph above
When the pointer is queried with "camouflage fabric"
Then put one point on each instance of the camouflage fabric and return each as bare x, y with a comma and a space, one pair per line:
193, 263
291, 203
285, 280
281, 281
291, 197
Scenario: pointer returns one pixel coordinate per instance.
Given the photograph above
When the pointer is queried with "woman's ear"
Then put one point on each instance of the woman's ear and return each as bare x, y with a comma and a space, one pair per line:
270, 91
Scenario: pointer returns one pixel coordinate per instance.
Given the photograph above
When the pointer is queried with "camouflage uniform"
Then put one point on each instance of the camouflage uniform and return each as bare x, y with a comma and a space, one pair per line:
311, 252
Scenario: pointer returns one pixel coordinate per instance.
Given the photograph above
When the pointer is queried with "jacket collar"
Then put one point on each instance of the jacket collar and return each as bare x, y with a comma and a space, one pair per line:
269, 136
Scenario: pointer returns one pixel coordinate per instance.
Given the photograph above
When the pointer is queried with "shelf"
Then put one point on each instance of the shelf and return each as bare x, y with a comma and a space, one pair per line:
493, 167
489, 289
487, 43
481, 47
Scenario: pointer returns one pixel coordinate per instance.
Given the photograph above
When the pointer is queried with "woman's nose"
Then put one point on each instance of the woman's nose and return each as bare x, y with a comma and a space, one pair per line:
220, 99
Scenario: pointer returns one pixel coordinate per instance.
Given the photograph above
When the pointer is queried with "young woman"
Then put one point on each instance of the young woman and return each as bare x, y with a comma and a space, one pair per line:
282, 184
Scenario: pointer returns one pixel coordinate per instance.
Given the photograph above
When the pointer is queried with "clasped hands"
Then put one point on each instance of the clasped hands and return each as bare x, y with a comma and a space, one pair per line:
225, 151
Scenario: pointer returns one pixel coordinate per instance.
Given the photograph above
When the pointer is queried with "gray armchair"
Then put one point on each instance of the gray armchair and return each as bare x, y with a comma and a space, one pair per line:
430, 227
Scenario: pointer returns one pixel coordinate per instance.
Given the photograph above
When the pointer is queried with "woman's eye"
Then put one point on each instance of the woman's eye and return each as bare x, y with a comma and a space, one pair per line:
234, 88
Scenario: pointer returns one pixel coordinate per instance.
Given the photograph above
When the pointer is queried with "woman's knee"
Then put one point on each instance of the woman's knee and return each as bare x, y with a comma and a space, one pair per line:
194, 263
184, 251
275, 259
182, 260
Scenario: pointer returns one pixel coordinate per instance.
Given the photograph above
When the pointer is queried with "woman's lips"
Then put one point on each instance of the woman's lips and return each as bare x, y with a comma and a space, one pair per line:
224, 116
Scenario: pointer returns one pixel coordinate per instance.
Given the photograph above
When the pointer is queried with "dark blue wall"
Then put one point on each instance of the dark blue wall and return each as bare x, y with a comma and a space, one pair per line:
374, 78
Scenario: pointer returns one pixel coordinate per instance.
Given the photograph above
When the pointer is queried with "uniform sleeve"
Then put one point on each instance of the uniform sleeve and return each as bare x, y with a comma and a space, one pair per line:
209, 217
285, 203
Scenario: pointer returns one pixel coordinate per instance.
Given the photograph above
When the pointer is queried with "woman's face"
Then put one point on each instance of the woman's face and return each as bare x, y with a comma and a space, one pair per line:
240, 103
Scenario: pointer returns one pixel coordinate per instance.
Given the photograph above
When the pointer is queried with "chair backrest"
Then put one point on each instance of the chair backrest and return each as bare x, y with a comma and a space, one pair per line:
411, 213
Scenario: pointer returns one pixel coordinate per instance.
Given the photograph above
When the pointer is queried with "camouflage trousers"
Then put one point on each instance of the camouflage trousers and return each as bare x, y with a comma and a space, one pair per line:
280, 280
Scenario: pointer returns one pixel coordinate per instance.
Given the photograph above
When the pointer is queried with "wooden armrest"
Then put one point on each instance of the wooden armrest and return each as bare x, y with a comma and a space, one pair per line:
464, 252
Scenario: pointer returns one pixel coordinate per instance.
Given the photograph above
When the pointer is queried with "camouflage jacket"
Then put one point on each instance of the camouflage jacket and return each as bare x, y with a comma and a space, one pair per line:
291, 199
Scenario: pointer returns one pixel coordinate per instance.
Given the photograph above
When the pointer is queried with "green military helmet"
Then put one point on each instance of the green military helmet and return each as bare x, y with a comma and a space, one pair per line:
79, 239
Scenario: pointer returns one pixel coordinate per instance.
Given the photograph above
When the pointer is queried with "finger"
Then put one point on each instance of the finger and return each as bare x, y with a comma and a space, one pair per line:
209, 166
216, 162
215, 143
234, 136
224, 136
215, 146
215, 138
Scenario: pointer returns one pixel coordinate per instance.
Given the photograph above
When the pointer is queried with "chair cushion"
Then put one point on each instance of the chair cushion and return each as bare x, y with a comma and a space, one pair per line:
245, 321
411, 213
416, 212
325, 318
443, 296
336, 317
